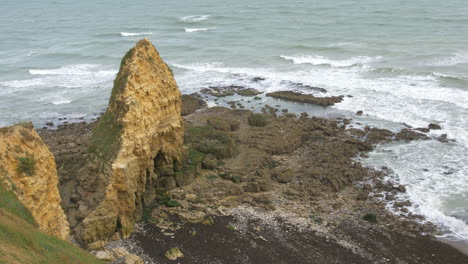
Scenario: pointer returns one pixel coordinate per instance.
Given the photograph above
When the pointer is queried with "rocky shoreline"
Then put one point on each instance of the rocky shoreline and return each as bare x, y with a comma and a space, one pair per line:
160, 177
313, 202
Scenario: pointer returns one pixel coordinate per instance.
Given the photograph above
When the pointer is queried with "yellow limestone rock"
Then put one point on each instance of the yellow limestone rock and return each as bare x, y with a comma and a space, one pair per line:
138, 141
27, 168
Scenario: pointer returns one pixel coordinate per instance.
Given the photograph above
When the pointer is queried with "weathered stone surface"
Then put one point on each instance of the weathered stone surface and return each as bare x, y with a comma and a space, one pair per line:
306, 98
105, 255
191, 103
119, 252
27, 167
173, 254
137, 142
133, 259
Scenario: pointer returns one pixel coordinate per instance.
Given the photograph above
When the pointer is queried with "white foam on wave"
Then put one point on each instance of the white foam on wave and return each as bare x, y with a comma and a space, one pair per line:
190, 30
452, 60
61, 101
432, 197
132, 34
194, 18
321, 60
70, 76
75, 69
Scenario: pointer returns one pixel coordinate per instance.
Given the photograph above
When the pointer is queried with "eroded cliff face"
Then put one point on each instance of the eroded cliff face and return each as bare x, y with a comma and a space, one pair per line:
137, 142
27, 168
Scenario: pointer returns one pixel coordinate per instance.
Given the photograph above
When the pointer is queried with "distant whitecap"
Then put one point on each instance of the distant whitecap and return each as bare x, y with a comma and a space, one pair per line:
194, 18
190, 30
132, 34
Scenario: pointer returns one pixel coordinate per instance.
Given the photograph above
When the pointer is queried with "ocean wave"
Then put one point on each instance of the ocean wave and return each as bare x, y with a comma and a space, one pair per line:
61, 101
452, 60
321, 60
70, 76
349, 44
75, 69
190, 30
194, 18
441, 202
132, 34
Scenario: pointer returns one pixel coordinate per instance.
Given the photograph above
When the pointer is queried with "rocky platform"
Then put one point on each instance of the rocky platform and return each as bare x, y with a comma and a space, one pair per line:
269, 189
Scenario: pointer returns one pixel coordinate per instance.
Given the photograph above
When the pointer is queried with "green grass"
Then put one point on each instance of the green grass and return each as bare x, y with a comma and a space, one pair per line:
27, 165
172, 203
371, 218
22, 242
207, 140
257, 120
105, 140
10, 203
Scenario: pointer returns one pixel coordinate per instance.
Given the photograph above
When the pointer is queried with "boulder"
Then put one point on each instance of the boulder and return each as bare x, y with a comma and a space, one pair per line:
173, 254
105, 255
306, 98
191, 103
133, 259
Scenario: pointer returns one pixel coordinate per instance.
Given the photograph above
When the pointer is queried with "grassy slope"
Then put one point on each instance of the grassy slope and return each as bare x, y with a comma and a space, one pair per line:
22, 242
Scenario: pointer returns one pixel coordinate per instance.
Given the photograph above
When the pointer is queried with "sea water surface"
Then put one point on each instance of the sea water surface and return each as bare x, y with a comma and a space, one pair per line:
402, 62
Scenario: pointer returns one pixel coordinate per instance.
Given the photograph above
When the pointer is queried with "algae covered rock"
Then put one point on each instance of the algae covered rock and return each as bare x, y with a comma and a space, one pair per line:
306, 98
191, 103
174, 254
27, 168
136, 142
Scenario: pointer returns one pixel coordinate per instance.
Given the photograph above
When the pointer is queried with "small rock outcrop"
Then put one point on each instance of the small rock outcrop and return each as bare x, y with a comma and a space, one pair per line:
136, 143
27, 168
306, 98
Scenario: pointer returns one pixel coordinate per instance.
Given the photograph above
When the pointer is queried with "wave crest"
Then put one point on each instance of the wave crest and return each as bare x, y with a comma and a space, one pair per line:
132, 34
321, 60
194, 18
190, 30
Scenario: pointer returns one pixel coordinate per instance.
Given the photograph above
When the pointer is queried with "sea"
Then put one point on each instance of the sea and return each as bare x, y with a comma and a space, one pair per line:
403, 63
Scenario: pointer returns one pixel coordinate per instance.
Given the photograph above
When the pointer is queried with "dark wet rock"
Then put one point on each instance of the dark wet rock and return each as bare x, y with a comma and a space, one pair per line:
258, 79
191, 103
434, 127
422, 129
359, 113
443, 138
302, 86
409, 135
367, 187
304, 115
49, 124
389, 197
363, 195
222, 91
267, 109
401, 188
306, 98
402, 204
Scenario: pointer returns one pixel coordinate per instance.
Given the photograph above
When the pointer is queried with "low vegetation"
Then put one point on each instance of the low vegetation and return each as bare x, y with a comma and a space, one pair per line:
27, 165
371, 218
257, 120
22, 242
207, 140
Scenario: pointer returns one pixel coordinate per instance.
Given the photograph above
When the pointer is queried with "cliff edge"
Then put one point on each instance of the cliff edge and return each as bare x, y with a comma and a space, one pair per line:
27, 168
136, 143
